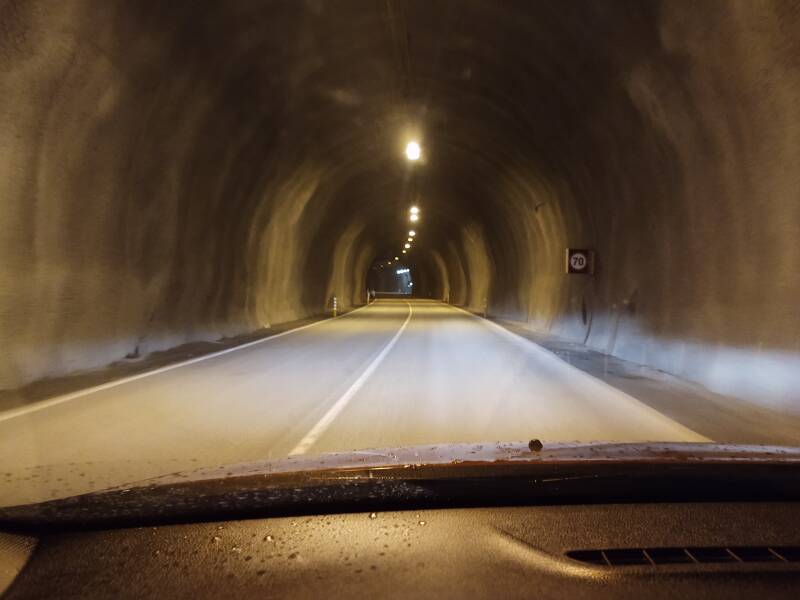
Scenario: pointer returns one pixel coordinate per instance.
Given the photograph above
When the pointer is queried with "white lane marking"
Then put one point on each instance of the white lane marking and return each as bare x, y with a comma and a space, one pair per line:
322, 425
685, 432
24, 410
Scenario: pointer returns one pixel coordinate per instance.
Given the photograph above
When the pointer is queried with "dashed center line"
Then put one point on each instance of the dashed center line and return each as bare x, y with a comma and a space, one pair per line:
325, 422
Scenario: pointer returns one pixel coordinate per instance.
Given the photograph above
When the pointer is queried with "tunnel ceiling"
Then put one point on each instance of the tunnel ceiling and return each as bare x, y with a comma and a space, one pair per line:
494, 91
231, 165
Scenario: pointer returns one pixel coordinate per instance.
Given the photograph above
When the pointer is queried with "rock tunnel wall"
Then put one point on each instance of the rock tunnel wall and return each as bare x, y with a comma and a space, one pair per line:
177, 171
139, 207
684, 179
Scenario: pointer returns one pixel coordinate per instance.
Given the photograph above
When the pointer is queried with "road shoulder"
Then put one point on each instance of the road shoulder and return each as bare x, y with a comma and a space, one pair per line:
717, 417
45, 389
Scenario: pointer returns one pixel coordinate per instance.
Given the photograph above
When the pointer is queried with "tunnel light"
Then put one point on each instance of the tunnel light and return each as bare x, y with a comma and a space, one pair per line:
413, 218
401, 271
412, 233
413, 151
397, 258
410, 239
407, 246
414, 210
404, 251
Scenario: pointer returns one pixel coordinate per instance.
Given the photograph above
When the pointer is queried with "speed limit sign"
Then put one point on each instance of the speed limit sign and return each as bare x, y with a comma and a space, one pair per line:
580, 261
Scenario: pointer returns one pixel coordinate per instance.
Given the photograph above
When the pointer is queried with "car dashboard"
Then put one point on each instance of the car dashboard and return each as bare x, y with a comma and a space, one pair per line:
647, 550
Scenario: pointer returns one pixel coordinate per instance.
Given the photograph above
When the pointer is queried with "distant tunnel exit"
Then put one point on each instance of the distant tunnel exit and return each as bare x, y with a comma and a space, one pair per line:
390, 277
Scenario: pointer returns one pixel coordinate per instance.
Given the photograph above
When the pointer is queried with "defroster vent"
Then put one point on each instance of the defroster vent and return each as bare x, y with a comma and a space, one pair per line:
619, 557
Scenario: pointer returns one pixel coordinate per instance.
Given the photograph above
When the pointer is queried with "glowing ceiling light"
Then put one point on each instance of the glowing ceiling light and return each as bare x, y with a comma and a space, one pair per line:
410, 239
413, 218
404, 251
397, 258
413, 150
412, 233
414, 210
407, 246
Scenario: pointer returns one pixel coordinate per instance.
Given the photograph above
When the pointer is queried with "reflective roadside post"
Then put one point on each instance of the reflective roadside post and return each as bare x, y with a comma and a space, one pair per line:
485, 307
335, 306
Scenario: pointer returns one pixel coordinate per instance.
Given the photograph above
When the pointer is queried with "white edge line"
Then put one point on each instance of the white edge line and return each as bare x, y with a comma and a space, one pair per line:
322, 425
534, 346
23, 410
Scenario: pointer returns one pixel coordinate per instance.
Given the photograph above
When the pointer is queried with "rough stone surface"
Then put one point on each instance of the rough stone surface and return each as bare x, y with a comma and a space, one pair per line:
178, 171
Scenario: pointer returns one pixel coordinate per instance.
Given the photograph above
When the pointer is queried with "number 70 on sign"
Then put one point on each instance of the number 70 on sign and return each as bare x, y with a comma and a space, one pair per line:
580, 261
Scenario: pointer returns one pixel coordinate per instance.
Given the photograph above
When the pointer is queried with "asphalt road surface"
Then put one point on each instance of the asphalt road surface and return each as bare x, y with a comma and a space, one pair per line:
391, 374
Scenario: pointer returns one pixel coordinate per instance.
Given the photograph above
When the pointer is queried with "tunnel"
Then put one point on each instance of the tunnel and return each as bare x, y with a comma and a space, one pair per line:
183, 171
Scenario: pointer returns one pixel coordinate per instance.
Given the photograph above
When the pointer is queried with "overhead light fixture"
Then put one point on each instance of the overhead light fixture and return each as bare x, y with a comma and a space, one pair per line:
413, 218
407, 246
404, 251
410, 239
397, 258
413, 210
412, 233
413, 151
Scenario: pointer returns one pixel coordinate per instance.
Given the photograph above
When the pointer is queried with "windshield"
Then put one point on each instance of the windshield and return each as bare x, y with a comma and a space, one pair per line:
251, 230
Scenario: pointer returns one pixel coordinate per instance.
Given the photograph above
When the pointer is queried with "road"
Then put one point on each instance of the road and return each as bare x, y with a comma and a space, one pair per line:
394, 373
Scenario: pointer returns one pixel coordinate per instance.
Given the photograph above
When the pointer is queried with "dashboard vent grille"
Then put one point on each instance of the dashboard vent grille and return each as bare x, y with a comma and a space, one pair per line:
618, 557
